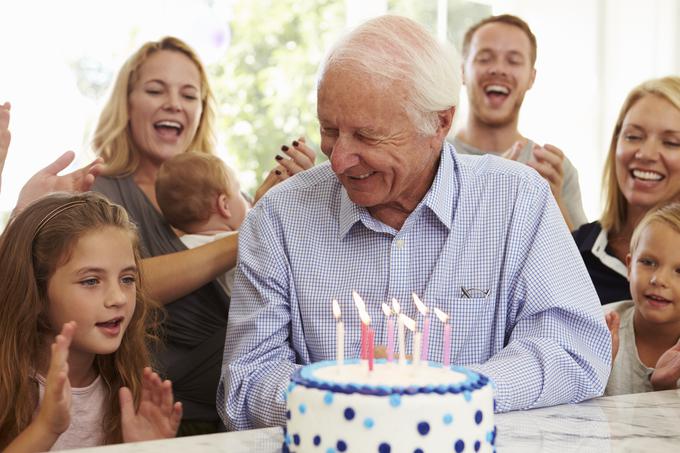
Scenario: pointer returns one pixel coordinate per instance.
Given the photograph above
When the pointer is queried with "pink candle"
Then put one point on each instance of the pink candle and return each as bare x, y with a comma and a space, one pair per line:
364, 343
446, 341
426, 337
370, 337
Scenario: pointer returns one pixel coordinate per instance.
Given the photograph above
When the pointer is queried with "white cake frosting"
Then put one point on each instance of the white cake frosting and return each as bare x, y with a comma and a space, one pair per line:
394, 408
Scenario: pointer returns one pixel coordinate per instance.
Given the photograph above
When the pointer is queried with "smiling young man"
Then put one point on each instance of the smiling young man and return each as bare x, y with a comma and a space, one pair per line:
396, 211
499, 54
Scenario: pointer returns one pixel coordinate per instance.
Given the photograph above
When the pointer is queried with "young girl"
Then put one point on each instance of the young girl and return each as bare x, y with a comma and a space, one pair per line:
70, 267
646, 330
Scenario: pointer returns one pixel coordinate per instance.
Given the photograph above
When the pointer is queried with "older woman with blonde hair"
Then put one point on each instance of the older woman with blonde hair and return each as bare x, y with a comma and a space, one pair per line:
642, 170
161, 105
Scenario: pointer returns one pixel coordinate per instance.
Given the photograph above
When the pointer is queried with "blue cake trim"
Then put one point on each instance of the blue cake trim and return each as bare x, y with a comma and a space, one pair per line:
305, 377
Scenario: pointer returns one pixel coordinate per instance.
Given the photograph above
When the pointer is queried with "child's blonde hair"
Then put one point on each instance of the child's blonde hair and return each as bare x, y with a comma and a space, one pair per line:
186, 186
668, 214
38, 241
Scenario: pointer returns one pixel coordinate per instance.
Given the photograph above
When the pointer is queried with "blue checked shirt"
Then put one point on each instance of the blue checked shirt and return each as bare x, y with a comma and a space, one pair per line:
487, 245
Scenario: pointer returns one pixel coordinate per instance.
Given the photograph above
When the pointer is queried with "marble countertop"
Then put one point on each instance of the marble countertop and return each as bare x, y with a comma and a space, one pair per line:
638, 422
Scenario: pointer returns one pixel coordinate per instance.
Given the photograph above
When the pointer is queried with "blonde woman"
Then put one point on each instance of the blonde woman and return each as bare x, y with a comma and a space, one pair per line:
642, 170
161, 105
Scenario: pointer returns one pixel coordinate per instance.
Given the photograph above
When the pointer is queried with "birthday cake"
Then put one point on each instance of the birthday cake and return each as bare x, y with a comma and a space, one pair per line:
393, 408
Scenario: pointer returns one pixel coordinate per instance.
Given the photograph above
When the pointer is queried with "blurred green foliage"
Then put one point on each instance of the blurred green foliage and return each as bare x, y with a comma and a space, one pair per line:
266, 84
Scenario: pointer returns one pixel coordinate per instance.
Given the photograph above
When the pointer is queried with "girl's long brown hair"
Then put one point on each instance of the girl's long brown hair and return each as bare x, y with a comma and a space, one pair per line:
35, 243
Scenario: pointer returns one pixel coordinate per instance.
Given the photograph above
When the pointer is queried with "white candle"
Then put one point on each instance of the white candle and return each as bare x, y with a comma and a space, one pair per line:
339, 335
390, 332
410, 324
400, 332
423, 310
417, 338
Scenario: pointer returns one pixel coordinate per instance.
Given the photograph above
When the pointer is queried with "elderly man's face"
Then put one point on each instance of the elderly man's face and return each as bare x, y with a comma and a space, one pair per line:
378, 155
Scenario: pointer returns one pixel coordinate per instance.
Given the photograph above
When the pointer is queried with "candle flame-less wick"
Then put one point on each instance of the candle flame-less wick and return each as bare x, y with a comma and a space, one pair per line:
358, 301
408, 322
365, 318
443, 317
395, 306
422, 308
336, 310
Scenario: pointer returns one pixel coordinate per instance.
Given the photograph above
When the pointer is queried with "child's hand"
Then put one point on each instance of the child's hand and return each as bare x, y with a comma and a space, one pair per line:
667, 370
157, 417
613, 322
55, 409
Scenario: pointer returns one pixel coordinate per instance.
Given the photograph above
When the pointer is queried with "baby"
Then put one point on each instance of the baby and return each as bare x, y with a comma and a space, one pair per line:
200, 195
646, 330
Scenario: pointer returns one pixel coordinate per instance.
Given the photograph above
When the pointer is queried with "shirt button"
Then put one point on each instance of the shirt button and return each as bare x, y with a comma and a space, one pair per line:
400, 243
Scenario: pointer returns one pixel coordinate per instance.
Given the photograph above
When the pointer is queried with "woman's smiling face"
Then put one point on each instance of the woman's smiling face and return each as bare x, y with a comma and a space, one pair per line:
648, 153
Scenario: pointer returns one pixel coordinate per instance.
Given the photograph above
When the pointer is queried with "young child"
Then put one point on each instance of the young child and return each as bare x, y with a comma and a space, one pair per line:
70, 268
646, 330
200, 195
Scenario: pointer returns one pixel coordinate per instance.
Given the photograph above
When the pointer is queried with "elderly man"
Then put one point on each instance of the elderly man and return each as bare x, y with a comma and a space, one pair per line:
396, 211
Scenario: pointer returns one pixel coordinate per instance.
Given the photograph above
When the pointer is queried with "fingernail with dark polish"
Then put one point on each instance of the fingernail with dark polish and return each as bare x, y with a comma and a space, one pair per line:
284, 148
278, 172
295, 143
277, 157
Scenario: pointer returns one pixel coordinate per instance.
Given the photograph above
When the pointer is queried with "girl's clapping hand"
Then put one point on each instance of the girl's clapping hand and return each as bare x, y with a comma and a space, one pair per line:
157, 418
55, 410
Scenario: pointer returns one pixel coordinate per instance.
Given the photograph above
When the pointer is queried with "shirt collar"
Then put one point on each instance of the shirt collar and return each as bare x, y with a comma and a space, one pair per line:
439, 199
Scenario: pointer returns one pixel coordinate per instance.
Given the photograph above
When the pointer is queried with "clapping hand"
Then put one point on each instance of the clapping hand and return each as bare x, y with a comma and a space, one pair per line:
613, 323
157, 417
55, 409
300, 157
548, 161
48, 180
667, 370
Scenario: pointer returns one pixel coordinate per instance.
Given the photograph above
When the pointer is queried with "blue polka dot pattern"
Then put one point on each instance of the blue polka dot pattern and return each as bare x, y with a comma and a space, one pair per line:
286, 438
418, 450
459, 446
489, 436
384, 448
316, 440
467, 395
478, 445
296, 439
368, 423
302, 408
423, 428
330, 450
448, 418
291, 386
341, 445
288, 415
285, 449
395, 400
349, 413
478, 417
328, 398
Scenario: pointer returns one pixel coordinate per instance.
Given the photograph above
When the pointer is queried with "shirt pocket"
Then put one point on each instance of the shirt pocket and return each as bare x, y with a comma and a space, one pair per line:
473, 329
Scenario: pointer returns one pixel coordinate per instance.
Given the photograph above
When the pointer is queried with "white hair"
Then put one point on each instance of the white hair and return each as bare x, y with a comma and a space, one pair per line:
399, 49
